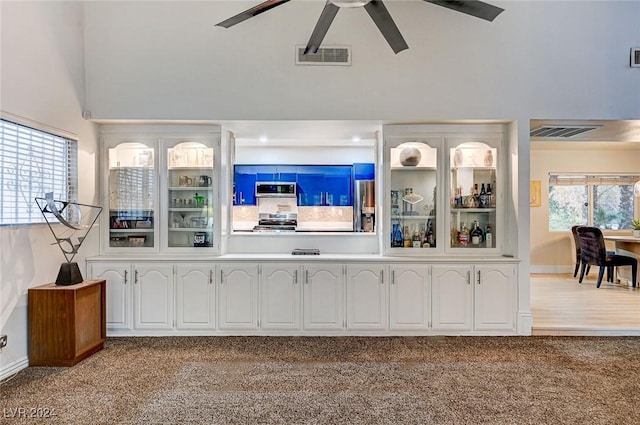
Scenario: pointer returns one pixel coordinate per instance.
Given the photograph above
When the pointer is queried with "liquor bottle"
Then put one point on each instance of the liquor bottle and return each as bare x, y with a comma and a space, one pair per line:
454, 236
425, 234
416, 241
431, 238
407, 242
489, 196
476, 196
463, 236
483, 197
476, 235
488, 237
399, 240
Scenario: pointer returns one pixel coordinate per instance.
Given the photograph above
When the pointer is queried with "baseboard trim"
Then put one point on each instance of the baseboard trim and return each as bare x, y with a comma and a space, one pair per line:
576, 331
13, 368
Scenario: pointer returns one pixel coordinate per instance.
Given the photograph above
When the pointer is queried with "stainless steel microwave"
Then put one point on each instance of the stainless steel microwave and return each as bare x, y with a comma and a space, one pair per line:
275, 190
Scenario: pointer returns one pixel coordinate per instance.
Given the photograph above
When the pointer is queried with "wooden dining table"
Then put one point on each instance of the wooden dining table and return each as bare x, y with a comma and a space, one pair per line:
626, 245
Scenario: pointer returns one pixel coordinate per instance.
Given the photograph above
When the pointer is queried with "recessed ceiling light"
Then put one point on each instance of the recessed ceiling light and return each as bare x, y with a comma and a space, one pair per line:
263, 139
355, 138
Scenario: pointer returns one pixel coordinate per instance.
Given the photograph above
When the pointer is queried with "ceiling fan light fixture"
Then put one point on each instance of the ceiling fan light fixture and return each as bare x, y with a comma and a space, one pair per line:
349, 3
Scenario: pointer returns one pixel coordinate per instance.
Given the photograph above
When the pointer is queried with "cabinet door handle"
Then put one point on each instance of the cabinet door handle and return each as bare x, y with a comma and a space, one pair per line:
136, 276
468, 277
393, 277
125, 277
306, 276
210, 277
478, 277
382, 277
221, 277
295, 277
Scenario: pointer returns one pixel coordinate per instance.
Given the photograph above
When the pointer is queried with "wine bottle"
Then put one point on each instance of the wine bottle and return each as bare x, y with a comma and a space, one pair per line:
425, 235
489, 196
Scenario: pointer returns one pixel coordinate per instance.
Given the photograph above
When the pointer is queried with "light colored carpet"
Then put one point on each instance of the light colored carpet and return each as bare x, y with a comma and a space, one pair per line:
298, 380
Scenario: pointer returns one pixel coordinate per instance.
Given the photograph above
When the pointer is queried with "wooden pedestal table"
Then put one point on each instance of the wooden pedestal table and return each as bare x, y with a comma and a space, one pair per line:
630, 246
66, 323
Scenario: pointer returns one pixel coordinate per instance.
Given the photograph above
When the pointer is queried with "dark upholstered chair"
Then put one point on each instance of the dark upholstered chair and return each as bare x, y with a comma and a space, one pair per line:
594, 252
576, 242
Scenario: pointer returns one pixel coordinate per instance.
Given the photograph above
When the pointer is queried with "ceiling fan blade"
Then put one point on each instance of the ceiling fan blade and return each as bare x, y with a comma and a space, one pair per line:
324, 22
250, 13
385, 24
475, 8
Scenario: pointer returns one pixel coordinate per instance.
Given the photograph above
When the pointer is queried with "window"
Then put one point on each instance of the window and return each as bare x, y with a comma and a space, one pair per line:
605, 201
32, 163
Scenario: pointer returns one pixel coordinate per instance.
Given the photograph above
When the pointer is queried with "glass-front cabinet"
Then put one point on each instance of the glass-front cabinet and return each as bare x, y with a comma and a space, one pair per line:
443, 190
132, 189
190, 195
162, 190
473, 195
412, 199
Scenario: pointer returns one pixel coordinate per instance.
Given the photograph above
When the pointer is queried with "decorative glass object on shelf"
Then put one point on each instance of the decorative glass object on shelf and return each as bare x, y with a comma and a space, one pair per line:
190, 195
472, 195
132, 181
413, 193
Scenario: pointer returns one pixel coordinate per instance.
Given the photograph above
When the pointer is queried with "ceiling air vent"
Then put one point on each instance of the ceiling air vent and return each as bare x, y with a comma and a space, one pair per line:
635, 57
328, 55
562, 131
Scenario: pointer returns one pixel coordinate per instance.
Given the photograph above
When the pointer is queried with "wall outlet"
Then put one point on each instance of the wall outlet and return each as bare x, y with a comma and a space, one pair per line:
3, 341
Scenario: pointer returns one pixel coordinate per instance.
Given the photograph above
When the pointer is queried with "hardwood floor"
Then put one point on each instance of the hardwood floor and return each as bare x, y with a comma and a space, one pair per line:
562, 306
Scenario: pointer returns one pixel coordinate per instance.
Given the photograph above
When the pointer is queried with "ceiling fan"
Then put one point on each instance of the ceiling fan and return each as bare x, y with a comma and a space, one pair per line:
378, 12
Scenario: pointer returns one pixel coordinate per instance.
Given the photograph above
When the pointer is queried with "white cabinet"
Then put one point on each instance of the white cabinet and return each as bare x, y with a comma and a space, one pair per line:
238, 297
153, 296
495, 297
139, 296
367, 297
485, 293
409, 297
452, 297
324, 297
280, 297
162, 185
195, 296
118, 276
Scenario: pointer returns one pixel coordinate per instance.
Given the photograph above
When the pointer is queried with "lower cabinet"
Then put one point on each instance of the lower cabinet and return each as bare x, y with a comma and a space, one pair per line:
118, 277
195, 296
153, 296
409, 297
295, 298
495, 298
474, 297
139, 296
367, 297
238, 297
280, 296
323, 298
451, 297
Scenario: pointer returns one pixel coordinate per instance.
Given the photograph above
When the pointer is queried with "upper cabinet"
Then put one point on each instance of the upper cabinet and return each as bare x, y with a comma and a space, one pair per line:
162, 189
444, 189
474, 194
191, 195
132, 193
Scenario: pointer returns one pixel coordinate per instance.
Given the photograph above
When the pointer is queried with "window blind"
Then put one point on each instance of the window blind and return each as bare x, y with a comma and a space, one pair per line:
582, 180
33, 163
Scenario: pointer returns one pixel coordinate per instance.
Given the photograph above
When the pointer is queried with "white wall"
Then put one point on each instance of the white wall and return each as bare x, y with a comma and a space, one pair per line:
553, 252
42, 79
